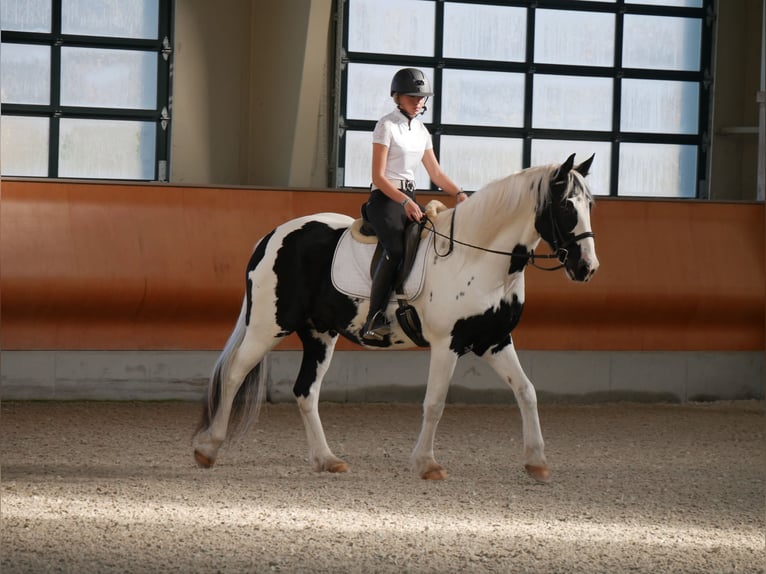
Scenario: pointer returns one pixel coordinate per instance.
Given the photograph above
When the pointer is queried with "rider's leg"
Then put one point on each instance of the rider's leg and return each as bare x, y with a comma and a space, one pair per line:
377, 327
389, 220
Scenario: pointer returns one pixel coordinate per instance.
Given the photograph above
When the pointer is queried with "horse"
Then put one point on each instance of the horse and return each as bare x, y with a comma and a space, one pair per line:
472, 299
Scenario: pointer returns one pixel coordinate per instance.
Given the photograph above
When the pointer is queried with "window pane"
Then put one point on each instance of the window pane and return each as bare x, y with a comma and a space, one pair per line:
572, 103
24, 145
358, 159
657, 170
369, 91
114, 18
358, 162
110, 149
483, 98
392, 27
26, 15
652, 106
662, 42
576, 38
472, 162
108, 78
556, 151
678, 3
479, 32
25, 74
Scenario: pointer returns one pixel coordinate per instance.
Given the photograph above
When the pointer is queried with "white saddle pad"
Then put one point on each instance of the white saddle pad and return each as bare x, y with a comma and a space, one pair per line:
351, 268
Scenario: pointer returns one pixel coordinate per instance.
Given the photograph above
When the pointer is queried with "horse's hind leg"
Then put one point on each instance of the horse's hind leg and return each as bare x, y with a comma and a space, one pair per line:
441, 368
507, 365
234, 368
317, 353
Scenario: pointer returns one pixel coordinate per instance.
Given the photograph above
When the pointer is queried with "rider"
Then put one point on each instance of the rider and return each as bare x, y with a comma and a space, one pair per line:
399, 142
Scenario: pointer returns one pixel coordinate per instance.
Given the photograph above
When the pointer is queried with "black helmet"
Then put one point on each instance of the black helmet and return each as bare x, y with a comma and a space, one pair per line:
411, 82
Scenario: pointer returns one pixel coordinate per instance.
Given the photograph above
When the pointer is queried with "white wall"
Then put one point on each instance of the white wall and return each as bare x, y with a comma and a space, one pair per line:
250, 92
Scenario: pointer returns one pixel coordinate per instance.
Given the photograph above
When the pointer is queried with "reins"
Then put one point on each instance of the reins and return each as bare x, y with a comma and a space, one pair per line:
561, 252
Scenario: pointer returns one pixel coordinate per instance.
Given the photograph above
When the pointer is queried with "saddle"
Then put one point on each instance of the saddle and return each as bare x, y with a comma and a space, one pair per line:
406, 287
412, 235
362, 231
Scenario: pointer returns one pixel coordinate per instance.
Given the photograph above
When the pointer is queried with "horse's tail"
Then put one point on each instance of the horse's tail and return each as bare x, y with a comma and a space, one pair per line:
249, 397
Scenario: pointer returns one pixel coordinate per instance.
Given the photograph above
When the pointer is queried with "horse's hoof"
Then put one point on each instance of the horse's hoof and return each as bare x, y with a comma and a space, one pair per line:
434, 473
539, 473
338, 466
203, 460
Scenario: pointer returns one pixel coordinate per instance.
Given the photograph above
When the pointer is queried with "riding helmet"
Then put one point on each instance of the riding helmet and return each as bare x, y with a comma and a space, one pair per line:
411, 82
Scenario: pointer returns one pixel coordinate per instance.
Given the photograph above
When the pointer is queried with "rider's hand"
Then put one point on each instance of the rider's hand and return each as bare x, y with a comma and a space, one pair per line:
413, 211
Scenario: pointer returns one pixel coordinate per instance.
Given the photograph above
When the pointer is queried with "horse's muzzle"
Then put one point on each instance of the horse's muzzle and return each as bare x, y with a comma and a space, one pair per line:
583, 270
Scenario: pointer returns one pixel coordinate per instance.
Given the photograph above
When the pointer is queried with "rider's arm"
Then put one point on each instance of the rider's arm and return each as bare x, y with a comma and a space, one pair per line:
440, 178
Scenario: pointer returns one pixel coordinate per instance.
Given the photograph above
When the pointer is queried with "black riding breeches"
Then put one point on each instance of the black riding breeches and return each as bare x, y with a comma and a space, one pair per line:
389, 219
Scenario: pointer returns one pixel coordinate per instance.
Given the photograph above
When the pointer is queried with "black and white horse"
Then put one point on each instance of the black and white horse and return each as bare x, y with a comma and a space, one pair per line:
471, 299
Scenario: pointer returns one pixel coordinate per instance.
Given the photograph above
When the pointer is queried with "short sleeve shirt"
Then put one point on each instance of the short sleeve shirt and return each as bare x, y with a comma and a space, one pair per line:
406, 141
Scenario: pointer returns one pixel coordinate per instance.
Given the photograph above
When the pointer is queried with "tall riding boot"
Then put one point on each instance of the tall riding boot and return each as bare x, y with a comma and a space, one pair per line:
376, 327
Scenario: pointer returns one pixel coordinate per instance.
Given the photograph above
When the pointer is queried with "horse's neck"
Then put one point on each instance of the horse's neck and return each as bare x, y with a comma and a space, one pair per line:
494, 223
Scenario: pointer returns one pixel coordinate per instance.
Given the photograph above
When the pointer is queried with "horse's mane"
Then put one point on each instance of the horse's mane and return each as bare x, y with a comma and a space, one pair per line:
528, 188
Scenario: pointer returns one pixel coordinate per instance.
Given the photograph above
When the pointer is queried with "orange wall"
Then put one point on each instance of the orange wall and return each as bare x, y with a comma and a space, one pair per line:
142, 266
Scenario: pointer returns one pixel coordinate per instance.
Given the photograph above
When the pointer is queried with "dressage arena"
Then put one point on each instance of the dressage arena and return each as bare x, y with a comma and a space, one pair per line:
112, 487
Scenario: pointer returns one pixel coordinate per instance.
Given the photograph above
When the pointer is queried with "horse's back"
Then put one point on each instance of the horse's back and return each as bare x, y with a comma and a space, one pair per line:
330, 219
296, 239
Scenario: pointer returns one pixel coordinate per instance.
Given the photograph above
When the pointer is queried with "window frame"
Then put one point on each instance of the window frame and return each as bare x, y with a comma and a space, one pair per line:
531, 69
54, 111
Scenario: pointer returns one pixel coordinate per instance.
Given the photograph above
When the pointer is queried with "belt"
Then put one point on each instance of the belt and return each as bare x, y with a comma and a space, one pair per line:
405, 185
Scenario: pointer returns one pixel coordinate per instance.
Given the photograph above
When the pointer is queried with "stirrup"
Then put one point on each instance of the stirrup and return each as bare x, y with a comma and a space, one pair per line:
376, 328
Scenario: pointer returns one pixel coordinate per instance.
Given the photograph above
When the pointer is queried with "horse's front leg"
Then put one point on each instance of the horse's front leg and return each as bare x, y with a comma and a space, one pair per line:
442, 366
317, 353
507, 365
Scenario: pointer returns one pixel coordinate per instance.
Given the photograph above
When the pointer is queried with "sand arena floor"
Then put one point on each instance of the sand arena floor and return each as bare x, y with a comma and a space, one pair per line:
112, 487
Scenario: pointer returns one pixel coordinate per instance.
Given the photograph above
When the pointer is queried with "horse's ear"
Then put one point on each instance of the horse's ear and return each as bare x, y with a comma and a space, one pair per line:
584, 167
563, 171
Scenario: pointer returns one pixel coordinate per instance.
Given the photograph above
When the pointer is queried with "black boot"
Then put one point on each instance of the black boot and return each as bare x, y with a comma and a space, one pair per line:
376, 327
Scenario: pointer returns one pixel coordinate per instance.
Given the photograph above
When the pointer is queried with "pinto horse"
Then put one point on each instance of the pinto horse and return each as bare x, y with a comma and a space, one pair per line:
471, 300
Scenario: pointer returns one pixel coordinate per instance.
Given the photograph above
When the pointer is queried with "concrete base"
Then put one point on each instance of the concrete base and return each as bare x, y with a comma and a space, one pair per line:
389, 376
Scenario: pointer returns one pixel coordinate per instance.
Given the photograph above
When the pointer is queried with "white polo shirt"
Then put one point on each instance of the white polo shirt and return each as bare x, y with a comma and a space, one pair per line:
406, 141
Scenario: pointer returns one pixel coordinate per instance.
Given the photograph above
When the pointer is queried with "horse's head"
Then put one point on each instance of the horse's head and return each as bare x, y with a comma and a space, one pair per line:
563, 219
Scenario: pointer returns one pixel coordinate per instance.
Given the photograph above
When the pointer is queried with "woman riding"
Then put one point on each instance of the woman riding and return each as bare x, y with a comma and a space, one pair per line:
399, 142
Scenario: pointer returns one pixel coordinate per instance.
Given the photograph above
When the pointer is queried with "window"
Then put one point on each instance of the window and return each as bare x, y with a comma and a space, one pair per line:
85, 88
528, 83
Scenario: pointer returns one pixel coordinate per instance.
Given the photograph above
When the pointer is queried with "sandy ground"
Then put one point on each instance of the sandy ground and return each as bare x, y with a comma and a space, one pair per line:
112, 487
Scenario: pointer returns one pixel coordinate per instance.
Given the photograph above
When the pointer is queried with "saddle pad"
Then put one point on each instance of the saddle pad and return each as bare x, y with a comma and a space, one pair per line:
351, 268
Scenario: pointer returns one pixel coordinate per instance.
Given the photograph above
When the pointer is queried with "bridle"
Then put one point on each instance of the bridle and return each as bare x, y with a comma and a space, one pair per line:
559, 244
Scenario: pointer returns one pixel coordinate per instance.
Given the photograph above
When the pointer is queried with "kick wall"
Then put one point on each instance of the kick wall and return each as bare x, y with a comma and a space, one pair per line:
128, 291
